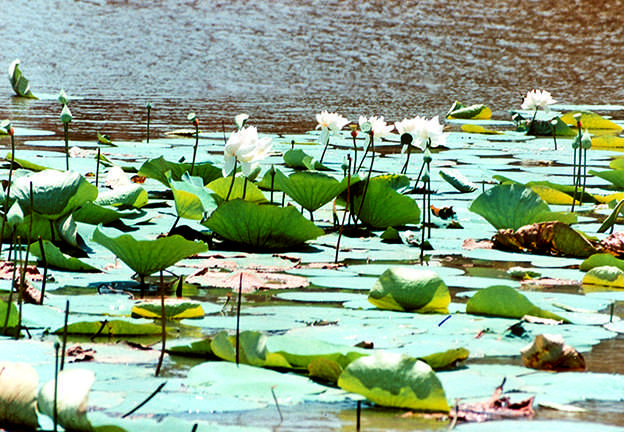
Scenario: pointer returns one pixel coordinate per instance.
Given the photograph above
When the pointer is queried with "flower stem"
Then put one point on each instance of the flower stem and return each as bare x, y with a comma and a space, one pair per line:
163, 328
233, 178
404, 169
346, 210
196, 145
66, 131
325, 148
370, 170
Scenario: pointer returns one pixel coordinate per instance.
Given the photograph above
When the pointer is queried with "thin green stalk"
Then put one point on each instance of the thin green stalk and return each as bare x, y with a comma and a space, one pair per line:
353, 136
370, 171
404, 169
422, 229
245, 188
66, 131
196, 145
272, 181
163, 328
64, 345
19, 293
9, 300
8, 191
346, 210
233, 178
325, 148
56, 374
45, 269
97, 168
576, 177
238, 309
149, 109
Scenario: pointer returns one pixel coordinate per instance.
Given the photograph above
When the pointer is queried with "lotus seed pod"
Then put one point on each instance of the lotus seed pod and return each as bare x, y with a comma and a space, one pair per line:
406, 139
66, 115
191, 117
366, 127
148, 106
586, 141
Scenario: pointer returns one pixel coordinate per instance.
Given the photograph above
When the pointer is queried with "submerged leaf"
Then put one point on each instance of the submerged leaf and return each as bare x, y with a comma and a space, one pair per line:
261, 226
504, 301
395, 380
406, 289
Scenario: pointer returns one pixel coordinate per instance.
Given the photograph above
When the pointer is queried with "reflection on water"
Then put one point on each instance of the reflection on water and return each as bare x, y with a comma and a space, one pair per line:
283, 61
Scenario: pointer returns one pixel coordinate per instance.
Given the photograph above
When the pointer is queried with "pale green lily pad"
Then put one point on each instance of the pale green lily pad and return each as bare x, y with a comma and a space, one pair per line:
446, 359
261, 226
149, 256
300, 352
514, 206
404, 289
57, 259
503, 301
310, 189
174, 309
395, 380
251, 350
112, 328
132, 195
55, 193
601, 260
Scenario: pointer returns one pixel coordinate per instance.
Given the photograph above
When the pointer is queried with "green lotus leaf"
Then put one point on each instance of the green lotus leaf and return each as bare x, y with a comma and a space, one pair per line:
57, 259
104, 139
174, 310
25, 164
513, 206
310, 189
13, 315
192, 199
261, 226
474, 112
252, 349
19, 383
613, 176
612, 218
132, 195
395, 380
457, 180
325, 369
298, 159
110, 328
71, 399
447, 359
590, 120
605, 275
221, 187
149, 256
19, 83
94, 214
157, 168
200, 348
55, 193
383, 206
478, 129
506, 302
600, 260
406, 289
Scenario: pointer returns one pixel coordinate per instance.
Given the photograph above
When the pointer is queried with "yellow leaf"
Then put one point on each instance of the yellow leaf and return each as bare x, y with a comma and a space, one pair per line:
590, 120
552, 196
610, 141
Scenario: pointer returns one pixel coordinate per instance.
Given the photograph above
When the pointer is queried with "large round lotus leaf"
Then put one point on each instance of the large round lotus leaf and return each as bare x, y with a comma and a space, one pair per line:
157, 168
12, 315
192, 199
54, 193
383, 206
94, 214
57, 259
601, 260
395, 380
261, 226
405, 289
242, 186
513, 206
149, 256
310, 189
73, 394
605, 275
298, 159
504, 301
18, 395
300, 352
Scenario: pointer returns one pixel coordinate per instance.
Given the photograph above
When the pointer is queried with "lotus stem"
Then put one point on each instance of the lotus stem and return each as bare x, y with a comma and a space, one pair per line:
279, 410
245, 188
358, 415
227, 198
64, 345
422, 229
324, 149
370, 170
346, 210
66, 132
45, 269
272, 182
238, 309
406, 141
584, 176
56, 374
554, 132
149, 109
196, 123
163, 329
404, 169
8, 191
9, 300
19, 293
532, 120
364, 156
175, 223
149, 398
353, 136
97, 168
576, 177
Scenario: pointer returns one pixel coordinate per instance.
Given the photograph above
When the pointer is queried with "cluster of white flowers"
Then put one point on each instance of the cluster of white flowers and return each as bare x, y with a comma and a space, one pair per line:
424, 132
244, 146
536, 99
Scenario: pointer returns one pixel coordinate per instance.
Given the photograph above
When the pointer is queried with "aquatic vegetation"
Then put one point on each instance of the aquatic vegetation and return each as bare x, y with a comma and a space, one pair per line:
20, 84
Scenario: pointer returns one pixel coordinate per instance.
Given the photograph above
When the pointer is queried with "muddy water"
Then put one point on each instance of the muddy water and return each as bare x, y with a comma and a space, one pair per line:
283, 61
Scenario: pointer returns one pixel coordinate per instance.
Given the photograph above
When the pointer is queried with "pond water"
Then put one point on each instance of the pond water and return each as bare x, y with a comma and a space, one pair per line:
284, 61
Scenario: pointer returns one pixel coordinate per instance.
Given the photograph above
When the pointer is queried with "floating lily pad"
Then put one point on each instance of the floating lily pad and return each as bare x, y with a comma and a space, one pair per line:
590, 120
261, 226
298, 159
174, 309
395, 380
605, 275
474, 112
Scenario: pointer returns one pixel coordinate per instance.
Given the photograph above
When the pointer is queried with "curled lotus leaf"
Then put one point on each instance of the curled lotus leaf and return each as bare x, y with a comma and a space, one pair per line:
395, 380
457, 180
157, 169
474, 112
590, 120
19, 83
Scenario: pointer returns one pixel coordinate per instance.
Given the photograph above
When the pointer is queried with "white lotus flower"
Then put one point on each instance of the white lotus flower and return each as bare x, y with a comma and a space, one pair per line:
536, 99
423, 131
240, 120
331, 121
378, 125
245, 147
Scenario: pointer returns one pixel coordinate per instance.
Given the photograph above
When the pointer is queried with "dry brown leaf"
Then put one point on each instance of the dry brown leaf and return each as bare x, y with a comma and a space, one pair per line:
470, 244
548, 352
78, 354
6, 271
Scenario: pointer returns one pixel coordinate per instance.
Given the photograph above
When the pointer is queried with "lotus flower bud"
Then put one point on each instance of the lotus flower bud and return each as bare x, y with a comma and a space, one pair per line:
575, 142
240, 120
345, 164
15, 215
148, 106
586, 141
6, 125
66, 115
62, 98
427, 156
426, 177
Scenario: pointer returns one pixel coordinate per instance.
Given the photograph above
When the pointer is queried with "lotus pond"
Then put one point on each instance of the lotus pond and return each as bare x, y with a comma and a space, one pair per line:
306, 295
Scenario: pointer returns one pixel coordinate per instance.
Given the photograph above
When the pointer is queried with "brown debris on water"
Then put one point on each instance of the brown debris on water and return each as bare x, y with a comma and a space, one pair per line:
548, 352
